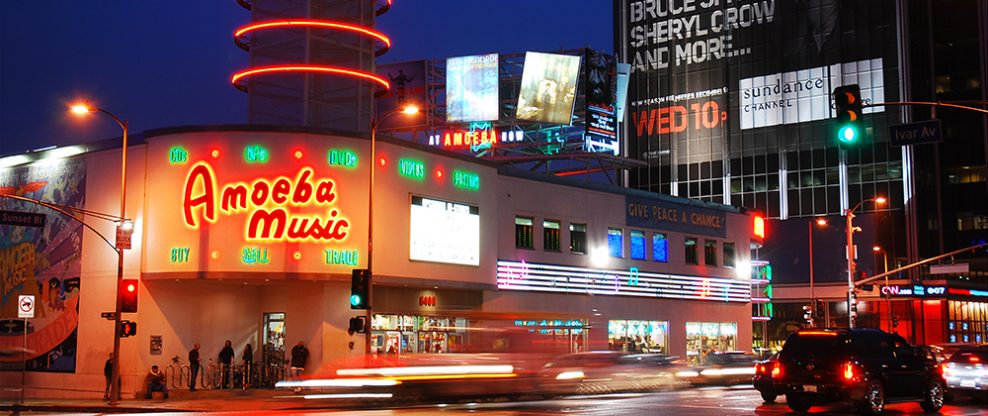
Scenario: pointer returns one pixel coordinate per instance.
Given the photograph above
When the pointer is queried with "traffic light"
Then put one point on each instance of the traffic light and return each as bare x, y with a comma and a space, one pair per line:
128, 329
847, 100
360, 283
820, 309
356, 325
895, 321
808, 314
128, 295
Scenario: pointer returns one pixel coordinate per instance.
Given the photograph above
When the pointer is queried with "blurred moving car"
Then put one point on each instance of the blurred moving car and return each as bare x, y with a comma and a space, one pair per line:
727, 368
607, 372
966, 372
867, 367
768, 379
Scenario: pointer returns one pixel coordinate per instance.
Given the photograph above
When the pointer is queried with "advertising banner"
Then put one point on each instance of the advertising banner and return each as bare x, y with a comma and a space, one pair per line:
43, 262
472, 88
408, 86
661, 215
601, 86
707, 74
548, 88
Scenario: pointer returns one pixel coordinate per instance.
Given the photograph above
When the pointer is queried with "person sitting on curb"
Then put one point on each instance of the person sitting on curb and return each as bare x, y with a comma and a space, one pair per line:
156, 382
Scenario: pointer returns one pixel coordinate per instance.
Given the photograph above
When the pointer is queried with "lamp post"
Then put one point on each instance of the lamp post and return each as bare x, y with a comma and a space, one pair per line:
852, 311
885, 264
407, 110
82, 110
820, 221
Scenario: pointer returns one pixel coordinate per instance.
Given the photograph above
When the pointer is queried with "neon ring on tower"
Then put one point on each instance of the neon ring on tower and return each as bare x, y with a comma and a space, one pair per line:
240, 36
239, 77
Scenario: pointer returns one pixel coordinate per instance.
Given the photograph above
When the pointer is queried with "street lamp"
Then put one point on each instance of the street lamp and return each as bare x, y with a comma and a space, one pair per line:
822, 222
83, 109
852, 308
408, 110
885, 264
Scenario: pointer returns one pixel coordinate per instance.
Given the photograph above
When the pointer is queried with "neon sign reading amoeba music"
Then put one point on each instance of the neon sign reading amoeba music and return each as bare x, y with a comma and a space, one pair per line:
264, 201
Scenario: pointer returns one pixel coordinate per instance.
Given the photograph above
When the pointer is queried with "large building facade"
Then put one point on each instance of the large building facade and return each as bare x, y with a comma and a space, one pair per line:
731, 102
250, 234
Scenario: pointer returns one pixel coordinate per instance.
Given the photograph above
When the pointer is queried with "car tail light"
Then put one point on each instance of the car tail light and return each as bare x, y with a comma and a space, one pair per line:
777, 371
975, 359
759, 369
849, 372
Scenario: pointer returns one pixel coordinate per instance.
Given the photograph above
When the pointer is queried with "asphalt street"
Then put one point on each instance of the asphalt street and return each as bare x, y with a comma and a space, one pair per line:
726, 401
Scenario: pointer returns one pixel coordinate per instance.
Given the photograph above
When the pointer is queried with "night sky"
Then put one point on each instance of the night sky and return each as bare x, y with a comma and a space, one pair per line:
159, 64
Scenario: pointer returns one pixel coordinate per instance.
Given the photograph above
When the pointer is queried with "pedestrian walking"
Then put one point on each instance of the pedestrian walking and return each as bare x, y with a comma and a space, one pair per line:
193, 366
108, 373
300, 355
248, 358
226, 359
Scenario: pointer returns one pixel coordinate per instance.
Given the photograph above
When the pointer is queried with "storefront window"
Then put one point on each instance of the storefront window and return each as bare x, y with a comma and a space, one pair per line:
615, 242
691, 255
561, 335
407, 334
968, 321
550, 235
705, 338
728, 254
578, 238
660, 248
638, 336
710, 252
637, 245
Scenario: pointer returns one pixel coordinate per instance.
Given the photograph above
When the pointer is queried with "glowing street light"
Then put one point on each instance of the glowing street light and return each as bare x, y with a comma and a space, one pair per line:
852, 311
408, 109
83, 109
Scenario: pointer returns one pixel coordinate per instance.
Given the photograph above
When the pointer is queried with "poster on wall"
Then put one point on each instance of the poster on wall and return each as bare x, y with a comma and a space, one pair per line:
472, 88
44, 262
707, 75
548, 88
408, 87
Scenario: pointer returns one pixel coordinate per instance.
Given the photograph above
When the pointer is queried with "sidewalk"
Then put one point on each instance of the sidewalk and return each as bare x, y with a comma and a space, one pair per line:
180, 401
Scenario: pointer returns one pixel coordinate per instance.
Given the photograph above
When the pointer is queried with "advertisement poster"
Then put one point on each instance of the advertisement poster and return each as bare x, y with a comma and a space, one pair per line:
601, 86
44, 262
408, 86
472, 88
548, 88
715, 80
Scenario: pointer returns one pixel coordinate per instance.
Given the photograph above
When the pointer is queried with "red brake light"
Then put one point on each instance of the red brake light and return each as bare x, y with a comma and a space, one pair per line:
777, 371
849, 371
975, 359
824, 333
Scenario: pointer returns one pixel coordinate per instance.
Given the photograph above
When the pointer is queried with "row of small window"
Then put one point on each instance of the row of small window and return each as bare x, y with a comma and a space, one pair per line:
551, 241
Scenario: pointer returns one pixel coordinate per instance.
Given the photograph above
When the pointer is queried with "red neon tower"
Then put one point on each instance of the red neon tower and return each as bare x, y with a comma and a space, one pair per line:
312, 62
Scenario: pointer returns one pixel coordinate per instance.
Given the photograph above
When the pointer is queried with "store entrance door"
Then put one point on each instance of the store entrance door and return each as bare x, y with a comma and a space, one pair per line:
273, 368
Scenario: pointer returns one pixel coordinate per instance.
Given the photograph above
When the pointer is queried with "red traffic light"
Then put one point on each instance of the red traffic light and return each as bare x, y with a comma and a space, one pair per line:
127, 296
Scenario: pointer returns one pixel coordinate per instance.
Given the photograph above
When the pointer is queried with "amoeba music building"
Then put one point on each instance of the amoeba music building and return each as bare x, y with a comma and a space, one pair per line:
250, 234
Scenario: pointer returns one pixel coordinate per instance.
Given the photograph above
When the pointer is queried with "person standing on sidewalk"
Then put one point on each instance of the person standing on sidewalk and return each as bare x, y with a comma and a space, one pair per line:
193, 366
248, 358
226, 359
108, 373
300, 355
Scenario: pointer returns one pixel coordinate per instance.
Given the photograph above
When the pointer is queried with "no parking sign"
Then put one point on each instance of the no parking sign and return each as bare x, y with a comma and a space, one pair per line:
25, 306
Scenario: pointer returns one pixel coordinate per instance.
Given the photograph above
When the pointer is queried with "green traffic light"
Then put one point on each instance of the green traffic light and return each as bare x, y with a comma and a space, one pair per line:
847, 134
354, 300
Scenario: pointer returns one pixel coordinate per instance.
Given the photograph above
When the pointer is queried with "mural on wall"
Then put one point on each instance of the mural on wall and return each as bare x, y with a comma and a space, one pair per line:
44, 262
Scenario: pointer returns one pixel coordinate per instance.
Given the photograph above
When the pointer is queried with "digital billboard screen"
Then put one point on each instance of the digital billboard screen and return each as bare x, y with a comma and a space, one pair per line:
601, 85
548, 88
444, 232
472, 88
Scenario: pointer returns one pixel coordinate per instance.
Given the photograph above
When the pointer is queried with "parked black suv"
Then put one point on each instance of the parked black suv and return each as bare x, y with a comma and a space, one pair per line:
867, 367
